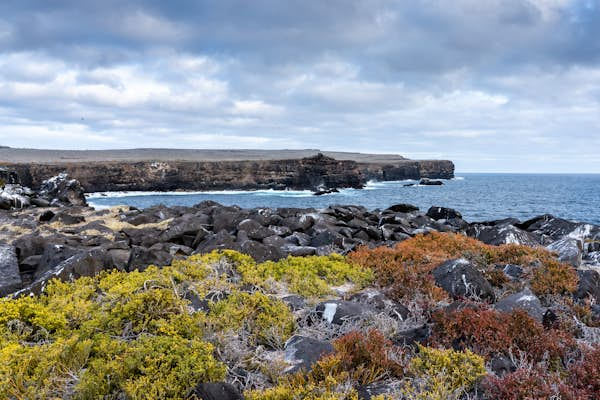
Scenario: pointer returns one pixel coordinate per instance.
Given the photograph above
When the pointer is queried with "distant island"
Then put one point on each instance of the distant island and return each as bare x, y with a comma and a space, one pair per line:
197, 170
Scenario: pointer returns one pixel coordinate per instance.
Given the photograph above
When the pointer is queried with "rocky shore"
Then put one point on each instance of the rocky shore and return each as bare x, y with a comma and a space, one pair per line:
167, 170
333, 303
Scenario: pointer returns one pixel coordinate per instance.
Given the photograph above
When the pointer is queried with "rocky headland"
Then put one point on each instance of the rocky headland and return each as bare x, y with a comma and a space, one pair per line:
334, 303
168, 170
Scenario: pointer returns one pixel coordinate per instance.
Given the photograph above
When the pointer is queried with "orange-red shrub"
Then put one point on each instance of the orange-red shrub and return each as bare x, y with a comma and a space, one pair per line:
369, 356
406, 268
488, 332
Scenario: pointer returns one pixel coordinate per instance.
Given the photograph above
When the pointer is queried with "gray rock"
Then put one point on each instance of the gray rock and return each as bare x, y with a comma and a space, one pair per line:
402, 208
10, 277
302, 352
338, 311
569, 250
438, 213
215, 391
141, 257
300, 251
380, 302
64, 190
589, 284
461, 279
502, 234
261, 252
295, 302
524, 300
512, 271
182, 226
411, 337
254, 230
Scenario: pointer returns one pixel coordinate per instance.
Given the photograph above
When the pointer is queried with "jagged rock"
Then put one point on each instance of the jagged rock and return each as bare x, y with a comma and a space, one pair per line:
53, 255
502, 234
300, 223
10, 278
380, 302
66, 218
461, 279
338, 311
227, 219
367, 392
430, 182
261, 252
327, 238
298, 239
64, 190
15, 196
402, 208
569, 250
556, 228
219, 241
294, 301
300, 251
589, 284
438, 213
302, 352
141, 257
524, 300
186, 225
254, 230
215, 391
512, 271
411, 337
46, 216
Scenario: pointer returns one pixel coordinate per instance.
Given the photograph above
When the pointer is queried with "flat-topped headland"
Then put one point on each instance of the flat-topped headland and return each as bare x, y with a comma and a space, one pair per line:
181, 169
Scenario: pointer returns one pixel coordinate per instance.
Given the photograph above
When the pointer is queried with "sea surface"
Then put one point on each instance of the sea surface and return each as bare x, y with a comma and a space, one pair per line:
478, 197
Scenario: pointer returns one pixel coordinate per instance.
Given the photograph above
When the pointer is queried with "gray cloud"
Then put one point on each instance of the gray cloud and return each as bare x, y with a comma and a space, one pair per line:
495, 85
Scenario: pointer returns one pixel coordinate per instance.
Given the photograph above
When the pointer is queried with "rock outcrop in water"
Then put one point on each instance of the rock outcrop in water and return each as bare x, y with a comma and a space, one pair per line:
309, 173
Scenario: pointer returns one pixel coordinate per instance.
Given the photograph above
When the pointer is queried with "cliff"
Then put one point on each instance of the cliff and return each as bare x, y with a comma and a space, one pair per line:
189, 171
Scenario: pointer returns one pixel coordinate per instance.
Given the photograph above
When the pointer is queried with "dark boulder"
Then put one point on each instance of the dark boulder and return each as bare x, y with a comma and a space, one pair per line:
60, 189
380, 302
569, 250
67, 218
302, 352
339, 311
218, 241
254, 230
402, 208
141, 257
261, 252
524, 300
227, 219
300, 251
557, 228
295, 302
461, 279
430, 182
502, 234
145, 237
438, 213
215, 391
46, 216
300, 223
589, 284
186, 225
411, 337
512, 271
10, 277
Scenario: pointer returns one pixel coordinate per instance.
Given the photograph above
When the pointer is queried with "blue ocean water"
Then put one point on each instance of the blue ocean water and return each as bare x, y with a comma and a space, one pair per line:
478, 197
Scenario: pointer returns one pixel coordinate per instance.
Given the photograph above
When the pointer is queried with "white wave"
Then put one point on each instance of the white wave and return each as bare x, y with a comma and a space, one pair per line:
264, 192
458, 178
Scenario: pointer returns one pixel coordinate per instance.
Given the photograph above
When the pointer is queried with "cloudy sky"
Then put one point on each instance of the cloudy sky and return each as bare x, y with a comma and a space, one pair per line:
495, 85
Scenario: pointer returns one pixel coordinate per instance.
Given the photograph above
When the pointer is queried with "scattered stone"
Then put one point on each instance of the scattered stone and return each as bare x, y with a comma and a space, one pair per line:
461, 279
411, 337
438, 213
589, 284
524, 300
302, 352
215, 391
569, 250
338, 311
10, 278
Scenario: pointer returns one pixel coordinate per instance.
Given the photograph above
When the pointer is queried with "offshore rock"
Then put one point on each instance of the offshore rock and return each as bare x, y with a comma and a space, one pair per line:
63, 190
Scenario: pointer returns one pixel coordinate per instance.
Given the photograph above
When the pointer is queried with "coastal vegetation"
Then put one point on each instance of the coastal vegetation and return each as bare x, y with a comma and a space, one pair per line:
158, 332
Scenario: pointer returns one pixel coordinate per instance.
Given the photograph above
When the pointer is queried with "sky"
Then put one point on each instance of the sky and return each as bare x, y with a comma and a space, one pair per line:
494, 85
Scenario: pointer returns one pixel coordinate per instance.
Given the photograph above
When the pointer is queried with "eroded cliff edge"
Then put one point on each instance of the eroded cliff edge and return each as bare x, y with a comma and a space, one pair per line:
192, 171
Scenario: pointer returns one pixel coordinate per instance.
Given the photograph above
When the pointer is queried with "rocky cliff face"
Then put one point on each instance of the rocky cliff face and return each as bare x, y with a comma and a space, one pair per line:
306, 173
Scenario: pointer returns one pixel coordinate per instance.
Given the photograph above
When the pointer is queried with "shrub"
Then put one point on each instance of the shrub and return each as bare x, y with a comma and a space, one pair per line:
307, 276
268, 321
111, 336
369, 356
406, 268
489, 332
523, 384
443, 374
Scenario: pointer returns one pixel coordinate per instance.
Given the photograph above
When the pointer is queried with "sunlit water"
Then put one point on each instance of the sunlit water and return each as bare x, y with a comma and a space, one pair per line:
477, 196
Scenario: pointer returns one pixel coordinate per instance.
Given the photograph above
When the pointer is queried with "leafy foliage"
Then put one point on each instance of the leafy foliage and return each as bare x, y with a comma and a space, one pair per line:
443, 374
406, 267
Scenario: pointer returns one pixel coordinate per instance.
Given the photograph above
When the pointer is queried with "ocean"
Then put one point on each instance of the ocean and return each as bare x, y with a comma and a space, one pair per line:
479, 197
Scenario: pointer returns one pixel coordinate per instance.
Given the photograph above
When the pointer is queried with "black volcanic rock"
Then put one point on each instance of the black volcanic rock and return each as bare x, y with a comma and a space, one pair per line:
461, 279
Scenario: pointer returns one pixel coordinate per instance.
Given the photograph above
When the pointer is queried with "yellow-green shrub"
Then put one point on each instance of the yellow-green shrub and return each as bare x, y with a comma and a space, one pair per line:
117, 334
268, 321
308, 276
442, 374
